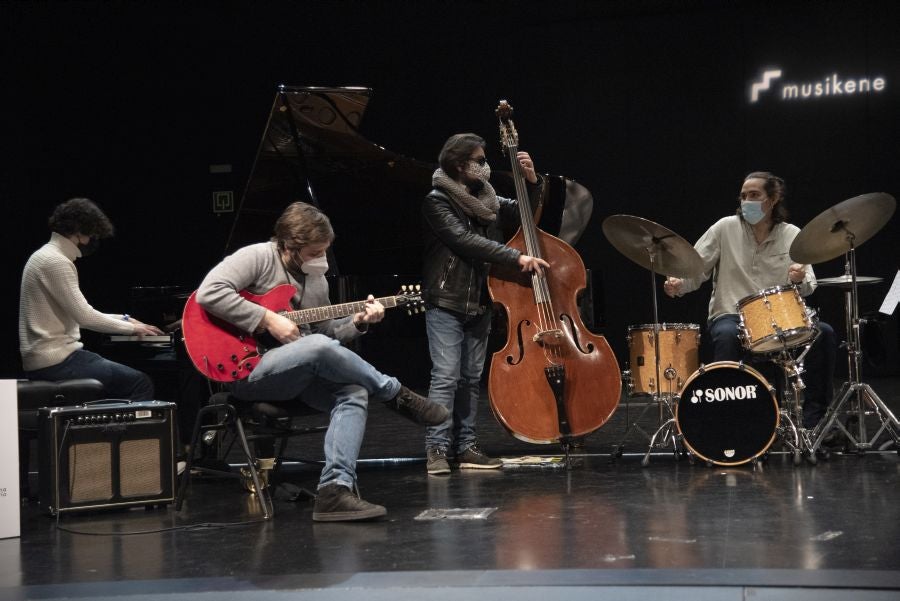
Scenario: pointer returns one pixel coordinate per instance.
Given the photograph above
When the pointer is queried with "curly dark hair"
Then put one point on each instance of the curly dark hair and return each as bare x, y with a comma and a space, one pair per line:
81, 216
776, 189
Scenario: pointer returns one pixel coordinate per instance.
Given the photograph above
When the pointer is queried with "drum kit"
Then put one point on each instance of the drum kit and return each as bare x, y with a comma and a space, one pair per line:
726, 412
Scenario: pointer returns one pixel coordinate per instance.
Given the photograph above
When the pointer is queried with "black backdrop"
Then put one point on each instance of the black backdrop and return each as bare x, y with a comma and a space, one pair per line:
646, 103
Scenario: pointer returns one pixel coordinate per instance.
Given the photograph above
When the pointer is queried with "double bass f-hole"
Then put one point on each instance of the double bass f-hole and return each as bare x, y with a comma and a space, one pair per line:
554, 379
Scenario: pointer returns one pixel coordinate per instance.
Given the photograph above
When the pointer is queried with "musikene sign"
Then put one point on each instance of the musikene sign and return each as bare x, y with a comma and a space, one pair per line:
772, 82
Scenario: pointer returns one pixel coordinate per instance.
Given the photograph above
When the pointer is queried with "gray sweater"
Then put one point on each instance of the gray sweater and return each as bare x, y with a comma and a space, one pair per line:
257, 269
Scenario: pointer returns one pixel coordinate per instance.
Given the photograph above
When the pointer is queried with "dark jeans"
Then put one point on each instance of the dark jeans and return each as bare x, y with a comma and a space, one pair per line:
818, 363
119, 381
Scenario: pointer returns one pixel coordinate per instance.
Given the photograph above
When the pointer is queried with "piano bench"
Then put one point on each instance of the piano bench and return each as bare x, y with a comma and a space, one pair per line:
34, 394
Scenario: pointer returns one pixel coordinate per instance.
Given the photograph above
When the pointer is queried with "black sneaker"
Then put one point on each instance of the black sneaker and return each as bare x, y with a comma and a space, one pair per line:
336, 503
417, 408
437, 461
473, 458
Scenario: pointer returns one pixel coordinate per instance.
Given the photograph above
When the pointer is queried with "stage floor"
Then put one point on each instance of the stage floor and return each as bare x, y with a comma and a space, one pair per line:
601, 529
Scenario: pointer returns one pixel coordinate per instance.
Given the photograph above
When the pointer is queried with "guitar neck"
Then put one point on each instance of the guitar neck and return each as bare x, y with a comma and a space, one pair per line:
315, 314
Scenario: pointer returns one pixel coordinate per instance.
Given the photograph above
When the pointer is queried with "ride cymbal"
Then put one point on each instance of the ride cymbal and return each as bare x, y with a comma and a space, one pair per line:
854, 220
637, 238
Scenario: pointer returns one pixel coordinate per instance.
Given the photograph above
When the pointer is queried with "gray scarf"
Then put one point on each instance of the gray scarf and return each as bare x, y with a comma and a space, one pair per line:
483, 207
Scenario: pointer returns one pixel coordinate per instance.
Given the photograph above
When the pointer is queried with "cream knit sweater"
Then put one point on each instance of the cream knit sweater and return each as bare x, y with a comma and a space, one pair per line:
52, 308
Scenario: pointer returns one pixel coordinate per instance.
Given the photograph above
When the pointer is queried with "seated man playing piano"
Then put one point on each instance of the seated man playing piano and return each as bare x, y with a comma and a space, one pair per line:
311, 366
52, 309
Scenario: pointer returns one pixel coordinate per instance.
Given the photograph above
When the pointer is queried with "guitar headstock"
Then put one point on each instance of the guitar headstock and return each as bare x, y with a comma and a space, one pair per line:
410, 296
509, 137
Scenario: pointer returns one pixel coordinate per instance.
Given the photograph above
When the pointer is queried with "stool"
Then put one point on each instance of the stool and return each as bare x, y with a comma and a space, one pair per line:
266, 423
34, 394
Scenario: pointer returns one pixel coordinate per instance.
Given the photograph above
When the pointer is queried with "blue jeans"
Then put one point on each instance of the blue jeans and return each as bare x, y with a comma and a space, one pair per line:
119, 381
818, 363
458, 345
318, 371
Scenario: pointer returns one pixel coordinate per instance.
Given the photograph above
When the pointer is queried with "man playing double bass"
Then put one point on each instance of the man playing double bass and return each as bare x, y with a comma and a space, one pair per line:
749, 252
463, 222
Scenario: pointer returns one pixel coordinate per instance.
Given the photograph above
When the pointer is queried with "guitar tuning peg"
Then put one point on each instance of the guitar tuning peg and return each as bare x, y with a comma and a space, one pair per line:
403, 287
418, 287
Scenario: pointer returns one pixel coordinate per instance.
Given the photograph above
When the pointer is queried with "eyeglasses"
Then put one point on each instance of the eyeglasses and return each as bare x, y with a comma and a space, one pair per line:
480, 160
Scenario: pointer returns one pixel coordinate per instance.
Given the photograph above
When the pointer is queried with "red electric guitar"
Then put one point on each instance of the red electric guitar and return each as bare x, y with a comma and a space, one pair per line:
224, 353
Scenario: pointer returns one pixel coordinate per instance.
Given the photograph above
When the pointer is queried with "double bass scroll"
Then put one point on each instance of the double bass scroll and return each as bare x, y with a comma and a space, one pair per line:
554, 379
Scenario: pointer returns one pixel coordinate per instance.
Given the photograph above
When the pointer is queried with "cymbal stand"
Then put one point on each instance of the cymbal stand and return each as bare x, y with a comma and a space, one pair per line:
666, 431
860, 396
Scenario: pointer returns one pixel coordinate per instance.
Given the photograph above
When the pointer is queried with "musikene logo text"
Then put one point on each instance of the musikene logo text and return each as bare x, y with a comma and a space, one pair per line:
772, 81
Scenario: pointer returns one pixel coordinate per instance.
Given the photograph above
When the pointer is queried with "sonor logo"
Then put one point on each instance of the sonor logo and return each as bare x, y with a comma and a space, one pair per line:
827, 87
731, 393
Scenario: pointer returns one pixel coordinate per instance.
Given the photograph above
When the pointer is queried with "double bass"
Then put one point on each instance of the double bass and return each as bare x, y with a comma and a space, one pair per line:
554, 380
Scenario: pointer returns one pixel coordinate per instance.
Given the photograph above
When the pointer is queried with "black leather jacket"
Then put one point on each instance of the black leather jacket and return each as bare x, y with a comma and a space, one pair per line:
459, 250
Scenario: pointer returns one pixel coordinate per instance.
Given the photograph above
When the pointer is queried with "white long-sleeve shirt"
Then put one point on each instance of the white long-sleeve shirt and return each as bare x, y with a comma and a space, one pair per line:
740, 267
52, 309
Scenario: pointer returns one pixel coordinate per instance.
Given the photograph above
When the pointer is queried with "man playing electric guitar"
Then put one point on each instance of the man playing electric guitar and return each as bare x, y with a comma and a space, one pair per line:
312, 366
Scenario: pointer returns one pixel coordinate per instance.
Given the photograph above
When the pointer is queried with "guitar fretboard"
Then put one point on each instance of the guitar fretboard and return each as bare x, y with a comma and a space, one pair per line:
334, 311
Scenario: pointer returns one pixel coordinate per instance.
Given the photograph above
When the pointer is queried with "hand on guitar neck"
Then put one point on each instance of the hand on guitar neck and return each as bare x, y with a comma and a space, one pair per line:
284, 330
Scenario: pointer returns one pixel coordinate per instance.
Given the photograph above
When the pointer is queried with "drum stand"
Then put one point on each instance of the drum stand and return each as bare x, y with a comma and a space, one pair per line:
859, 395
790, 427
666, 432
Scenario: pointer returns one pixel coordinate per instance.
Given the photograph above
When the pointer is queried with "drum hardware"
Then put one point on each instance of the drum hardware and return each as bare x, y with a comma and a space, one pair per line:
840, 230
790, 430
660, 250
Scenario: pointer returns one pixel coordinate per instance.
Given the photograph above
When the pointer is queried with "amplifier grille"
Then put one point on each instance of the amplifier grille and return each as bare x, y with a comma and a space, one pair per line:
139, 469
90, 472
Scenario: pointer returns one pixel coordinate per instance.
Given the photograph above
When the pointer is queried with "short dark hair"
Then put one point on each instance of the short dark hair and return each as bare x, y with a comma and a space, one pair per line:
456, 152
302, 224
81, 216
775, 188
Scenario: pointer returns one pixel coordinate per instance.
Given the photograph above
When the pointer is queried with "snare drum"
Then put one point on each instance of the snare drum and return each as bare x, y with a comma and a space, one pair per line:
727, 413
678, 356
775, 319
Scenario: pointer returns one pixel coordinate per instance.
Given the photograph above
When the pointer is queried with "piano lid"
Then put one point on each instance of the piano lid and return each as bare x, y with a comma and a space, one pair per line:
312, 150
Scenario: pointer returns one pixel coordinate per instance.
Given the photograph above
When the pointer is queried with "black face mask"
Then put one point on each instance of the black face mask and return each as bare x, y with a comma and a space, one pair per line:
90, 248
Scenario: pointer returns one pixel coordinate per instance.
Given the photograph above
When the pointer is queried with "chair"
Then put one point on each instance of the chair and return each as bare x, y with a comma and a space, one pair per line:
34, 394
245, 422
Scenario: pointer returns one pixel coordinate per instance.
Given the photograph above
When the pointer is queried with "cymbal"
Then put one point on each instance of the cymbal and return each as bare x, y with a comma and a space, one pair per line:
826, 236
636, 237
845, 281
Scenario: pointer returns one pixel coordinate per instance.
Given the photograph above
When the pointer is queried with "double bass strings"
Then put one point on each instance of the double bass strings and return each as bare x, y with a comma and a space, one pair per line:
543, 300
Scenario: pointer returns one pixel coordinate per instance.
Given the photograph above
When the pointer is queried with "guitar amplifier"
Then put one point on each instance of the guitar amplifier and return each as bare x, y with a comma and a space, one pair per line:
106, 454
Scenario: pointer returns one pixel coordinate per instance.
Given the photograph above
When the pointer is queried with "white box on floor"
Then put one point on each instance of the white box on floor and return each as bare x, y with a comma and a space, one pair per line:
9, 460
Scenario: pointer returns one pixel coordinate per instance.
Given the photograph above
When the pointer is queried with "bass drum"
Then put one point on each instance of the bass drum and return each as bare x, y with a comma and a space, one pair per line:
727, 413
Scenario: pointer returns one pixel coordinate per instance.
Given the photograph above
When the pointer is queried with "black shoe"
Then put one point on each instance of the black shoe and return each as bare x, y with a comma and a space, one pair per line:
336, 503
473, 458
417, 408
437, 463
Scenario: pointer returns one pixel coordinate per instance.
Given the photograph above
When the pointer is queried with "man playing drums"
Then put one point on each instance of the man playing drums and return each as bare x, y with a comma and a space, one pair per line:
747, 254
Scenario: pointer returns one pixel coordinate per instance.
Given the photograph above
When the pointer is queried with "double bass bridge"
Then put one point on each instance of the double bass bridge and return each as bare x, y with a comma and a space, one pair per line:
553, 337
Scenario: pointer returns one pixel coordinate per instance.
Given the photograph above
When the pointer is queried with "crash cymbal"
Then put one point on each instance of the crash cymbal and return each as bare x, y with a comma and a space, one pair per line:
829, 235
845, 281
636, 238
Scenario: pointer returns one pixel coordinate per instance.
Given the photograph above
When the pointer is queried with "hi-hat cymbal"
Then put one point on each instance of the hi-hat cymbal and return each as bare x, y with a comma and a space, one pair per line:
829, 235
637, 238
846, 281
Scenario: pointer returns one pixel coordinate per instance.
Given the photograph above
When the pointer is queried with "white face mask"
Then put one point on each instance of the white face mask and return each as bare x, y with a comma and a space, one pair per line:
482, 172
752, 211
317, 266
